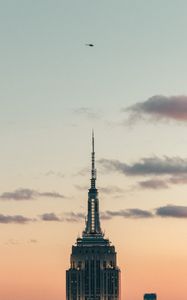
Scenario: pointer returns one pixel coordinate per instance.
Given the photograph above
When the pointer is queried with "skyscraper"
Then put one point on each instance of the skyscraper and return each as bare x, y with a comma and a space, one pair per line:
93, 273
150, 297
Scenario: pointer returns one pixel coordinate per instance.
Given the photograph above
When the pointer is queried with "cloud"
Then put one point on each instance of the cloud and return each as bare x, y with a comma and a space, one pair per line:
105, 216
160, 107
111, 190
33, 241
178, 179
20, 194
28, 194
18, 219
87, 112
163, 183
14, 242
130, 213
53, 173
50, 217
148, 166
82, 172
73, 217
51, 195
153, 184
67, 217
80, 187
134, 213
172, 211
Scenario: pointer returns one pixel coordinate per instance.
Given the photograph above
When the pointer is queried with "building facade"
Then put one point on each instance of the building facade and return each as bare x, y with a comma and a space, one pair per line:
93, 272
150, 297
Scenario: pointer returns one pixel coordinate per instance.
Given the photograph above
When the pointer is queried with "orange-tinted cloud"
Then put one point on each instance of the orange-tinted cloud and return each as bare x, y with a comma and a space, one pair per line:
172, 211
28, 194
19, 219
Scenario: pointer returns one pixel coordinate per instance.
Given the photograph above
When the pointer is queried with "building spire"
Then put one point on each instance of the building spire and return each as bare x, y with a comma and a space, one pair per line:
93, 221
93, 170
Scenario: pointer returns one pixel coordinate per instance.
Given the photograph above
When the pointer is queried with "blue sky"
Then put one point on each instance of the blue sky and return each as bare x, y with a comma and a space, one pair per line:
54, 89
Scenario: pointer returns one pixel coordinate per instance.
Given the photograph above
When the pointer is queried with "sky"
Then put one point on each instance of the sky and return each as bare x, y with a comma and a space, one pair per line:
131, 88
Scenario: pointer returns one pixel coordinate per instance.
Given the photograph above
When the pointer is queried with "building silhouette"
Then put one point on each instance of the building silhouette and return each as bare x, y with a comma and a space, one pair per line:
150, 297
93, 272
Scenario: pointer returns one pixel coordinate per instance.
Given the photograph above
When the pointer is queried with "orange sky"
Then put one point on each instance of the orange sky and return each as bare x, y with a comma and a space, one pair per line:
149, 260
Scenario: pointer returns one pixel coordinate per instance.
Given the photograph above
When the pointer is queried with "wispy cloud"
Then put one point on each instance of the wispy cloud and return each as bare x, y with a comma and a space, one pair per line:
32, 241
14, 242
50, 217
159, 107
28, 194
134, 213
182, 179
73, 217
50, 195
164, 183
173, 211
87, 112
55, 174
154, 184
148, 166
82, 172
66, 217
81, 187
20, 194
111, 190
18, 219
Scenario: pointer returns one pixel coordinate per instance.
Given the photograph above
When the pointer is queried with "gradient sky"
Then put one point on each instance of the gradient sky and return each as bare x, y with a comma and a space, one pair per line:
131, 89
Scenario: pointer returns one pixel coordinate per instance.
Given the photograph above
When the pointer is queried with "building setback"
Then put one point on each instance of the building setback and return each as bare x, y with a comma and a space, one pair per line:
93, 272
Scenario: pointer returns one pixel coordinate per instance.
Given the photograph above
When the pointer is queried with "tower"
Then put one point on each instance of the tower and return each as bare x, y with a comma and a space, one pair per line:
93, 272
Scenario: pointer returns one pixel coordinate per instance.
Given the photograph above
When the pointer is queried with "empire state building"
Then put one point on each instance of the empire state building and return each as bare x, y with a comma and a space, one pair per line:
93, 272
